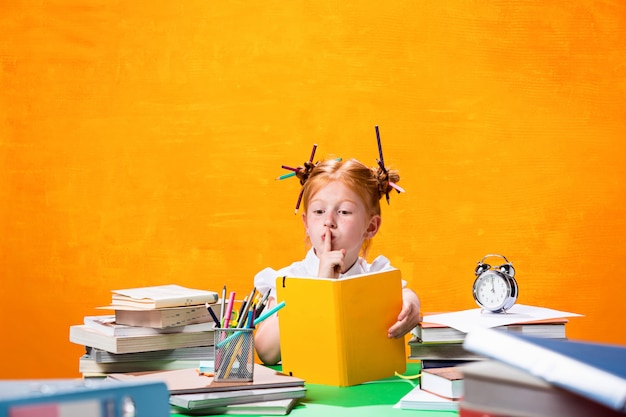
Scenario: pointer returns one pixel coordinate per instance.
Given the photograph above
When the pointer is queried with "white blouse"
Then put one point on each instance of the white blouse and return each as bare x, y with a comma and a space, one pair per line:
309, 266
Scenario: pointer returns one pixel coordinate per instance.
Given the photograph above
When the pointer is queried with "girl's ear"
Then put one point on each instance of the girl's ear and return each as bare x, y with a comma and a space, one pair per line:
306, 227
373, 226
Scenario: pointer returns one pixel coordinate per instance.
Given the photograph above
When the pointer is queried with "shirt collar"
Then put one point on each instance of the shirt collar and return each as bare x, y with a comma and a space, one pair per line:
312, 265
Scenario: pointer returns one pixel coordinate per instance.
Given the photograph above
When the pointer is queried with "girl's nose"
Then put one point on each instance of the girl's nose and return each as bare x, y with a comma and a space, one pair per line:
329, 221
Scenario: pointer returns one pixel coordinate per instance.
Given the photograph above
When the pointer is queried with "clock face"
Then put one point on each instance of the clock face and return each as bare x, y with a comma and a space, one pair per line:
492, 291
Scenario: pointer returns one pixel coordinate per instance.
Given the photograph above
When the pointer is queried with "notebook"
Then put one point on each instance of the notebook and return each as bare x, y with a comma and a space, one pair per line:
334, 332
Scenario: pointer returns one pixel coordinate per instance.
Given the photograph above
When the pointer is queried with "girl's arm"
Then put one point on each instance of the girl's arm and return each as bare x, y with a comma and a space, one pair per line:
267, 338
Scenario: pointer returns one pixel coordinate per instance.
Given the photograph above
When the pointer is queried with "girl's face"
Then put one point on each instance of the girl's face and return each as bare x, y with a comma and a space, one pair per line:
338, 208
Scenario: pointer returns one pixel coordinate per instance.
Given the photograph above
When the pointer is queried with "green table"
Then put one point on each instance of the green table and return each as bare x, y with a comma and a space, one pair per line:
375, 399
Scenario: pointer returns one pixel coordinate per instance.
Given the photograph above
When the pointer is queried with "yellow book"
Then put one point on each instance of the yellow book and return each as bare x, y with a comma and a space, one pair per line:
334, 332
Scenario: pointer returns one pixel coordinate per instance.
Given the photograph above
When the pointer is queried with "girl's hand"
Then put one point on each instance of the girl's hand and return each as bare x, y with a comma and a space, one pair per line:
331, 261
409, 316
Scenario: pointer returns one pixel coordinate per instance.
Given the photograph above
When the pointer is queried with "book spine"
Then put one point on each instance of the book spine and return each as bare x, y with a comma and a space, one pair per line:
342, 359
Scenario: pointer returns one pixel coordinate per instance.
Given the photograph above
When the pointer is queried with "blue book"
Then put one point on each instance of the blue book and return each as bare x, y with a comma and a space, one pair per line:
76, 397
593, 370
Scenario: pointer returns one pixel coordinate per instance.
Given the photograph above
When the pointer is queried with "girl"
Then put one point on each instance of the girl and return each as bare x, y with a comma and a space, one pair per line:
341, 202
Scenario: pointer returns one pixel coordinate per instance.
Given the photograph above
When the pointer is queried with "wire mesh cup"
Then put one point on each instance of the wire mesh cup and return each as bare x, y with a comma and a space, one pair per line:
234, 355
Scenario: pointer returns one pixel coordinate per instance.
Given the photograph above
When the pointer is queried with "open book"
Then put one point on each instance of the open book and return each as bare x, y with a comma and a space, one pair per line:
348, 320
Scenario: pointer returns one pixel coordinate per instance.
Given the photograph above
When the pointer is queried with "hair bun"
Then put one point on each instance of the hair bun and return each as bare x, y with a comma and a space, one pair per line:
304, 172
386, 177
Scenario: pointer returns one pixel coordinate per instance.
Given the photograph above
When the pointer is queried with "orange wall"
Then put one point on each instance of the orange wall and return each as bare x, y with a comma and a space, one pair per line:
139, 143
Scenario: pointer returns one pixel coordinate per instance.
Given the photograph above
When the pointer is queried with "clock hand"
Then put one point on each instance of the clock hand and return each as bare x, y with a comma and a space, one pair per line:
492, 287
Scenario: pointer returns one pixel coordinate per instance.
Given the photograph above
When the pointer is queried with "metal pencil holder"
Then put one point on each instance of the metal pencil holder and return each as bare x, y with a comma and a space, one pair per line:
234, 355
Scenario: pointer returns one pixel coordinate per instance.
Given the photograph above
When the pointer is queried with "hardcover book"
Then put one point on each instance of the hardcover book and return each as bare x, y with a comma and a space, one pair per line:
440, 351
76, 397
428, 332
593, 370
205, 401
418, 399
265, 408
350, 318
493, 388
446, 382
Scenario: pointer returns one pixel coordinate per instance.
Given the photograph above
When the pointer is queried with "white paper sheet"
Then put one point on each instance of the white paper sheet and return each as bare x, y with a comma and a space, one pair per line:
467, 320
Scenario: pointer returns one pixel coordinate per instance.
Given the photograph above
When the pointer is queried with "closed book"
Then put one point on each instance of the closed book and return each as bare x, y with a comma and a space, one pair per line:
349, 319
83, 335
470, 410
189, 381
446, 382
428, 332
440, 351
88, 365
187, 353
163, 317
162, 296
443, 363
496, 389
593, 370
108, 326
206, 401
256, 408
418, 399
76, 397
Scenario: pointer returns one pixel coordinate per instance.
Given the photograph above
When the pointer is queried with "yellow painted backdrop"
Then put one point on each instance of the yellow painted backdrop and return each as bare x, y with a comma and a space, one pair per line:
139, 143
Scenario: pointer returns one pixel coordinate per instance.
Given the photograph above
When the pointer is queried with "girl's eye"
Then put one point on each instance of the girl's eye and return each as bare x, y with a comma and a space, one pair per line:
318, 211
344, 212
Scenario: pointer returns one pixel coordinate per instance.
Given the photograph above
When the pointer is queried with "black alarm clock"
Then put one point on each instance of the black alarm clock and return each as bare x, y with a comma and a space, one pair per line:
495, 288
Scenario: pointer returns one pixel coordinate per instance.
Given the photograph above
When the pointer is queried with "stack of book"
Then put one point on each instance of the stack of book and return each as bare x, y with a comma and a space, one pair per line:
527, 376
439, 344
153, 328
439, 389
436, 344
195, 392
